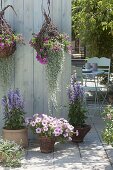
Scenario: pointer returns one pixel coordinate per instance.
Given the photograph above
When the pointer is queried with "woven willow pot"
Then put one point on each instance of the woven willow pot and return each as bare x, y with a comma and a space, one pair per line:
7, 51
46, 144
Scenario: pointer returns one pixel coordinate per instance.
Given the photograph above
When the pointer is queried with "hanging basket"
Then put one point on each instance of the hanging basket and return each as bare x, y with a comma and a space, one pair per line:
7, 51
7, 40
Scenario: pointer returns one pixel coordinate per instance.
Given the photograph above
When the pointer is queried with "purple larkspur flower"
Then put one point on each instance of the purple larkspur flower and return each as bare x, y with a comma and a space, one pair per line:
12, 102
75, 92
15, 100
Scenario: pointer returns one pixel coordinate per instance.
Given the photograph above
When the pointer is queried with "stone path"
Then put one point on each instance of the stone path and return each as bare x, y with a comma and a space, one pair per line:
92, 154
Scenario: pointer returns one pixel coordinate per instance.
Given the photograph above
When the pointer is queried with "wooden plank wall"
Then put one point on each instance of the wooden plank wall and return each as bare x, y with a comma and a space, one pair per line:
28, 75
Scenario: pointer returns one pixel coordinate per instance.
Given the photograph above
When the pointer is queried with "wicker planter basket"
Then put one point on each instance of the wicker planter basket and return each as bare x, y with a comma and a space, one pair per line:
7, 51
5, 29
46, 144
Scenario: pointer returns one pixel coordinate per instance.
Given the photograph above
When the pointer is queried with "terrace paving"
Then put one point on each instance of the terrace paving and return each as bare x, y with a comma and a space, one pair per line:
92, 154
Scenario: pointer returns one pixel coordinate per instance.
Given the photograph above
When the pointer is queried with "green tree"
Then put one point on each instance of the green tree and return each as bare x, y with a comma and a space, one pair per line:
92, 22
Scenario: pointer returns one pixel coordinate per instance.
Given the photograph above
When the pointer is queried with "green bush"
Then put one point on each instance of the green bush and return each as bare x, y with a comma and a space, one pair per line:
10, 153
107, 133
92, 22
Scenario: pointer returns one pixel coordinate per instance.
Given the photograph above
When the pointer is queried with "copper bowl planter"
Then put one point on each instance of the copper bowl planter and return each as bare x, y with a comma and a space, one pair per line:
82, 131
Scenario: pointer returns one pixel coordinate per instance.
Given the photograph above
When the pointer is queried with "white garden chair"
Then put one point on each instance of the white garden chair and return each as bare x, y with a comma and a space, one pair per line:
104, 64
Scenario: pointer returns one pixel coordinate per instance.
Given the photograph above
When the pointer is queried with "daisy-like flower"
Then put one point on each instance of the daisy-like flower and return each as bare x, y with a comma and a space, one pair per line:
44, 122
33, 123
50, 126
45, 128
38, 130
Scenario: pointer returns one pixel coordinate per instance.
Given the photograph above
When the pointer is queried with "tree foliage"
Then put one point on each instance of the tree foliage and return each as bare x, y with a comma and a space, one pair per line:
92, 22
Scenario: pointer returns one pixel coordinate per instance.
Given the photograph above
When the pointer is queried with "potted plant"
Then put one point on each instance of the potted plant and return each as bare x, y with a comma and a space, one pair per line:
10, 153
77, 111
8, 38
107, 133
49, 130
14, 126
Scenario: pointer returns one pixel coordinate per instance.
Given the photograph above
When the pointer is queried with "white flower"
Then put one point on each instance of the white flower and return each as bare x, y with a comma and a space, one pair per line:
38, 130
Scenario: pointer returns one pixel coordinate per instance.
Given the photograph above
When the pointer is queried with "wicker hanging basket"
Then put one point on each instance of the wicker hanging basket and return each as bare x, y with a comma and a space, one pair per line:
48, 29
5, 30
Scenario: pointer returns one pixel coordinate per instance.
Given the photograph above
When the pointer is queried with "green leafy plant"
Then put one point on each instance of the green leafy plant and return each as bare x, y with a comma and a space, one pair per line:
13, 110
92, 22
107, 133
76, 108
8, 39
10, 153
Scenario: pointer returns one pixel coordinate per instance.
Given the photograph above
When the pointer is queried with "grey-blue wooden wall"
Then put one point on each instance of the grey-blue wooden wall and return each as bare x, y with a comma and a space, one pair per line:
28, 75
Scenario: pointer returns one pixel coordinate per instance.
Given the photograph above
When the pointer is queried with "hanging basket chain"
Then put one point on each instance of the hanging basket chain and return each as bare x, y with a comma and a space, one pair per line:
1, 4
48, 3
48, 28
4, 27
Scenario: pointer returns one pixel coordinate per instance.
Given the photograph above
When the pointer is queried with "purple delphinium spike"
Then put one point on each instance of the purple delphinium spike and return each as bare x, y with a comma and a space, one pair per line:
75, 91
13, 101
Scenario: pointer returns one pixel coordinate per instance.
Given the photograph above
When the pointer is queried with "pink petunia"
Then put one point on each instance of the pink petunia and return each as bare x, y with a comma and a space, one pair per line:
38, 130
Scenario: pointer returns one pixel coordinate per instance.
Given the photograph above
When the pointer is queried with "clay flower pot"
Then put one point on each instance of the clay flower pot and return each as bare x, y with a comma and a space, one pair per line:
19, 136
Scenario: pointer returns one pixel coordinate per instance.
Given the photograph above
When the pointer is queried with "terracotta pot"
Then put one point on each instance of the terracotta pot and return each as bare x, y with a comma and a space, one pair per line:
19, 136
82, 131
46, 144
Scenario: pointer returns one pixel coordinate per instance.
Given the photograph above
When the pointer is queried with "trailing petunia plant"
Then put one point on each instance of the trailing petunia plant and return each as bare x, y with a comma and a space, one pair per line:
49, 126
50, 46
